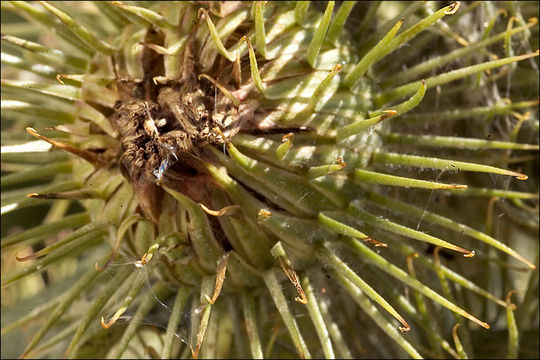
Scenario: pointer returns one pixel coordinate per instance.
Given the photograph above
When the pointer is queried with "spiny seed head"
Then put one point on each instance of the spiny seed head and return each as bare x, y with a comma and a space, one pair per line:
226, 158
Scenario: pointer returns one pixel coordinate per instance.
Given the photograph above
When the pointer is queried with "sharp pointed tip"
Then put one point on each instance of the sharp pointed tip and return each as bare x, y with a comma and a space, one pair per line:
470, 254
457, 187
337, 68
404, 329
264, 213
387, 113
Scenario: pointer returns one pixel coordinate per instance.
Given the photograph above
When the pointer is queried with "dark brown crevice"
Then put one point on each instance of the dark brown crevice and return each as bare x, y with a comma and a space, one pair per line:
219, 233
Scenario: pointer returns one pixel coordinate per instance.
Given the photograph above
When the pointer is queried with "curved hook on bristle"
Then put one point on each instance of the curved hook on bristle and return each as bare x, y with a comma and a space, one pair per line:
91, 157
284, 147
287, 137
223, 136
221, 88
388, 113
27, 257
457, 341
116, 316
278, 251
404, 329
470, 254
508, 299
227, 210
264, 214
452, 8
410, 265
375, 243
